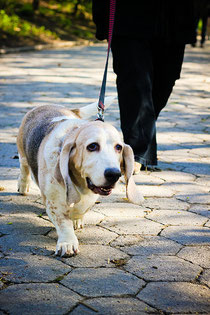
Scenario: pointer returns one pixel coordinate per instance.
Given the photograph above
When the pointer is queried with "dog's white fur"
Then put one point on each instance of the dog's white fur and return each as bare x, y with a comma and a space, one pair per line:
64, 163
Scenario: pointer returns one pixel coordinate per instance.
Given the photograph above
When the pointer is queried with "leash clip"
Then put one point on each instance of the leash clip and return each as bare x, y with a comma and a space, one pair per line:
100, 115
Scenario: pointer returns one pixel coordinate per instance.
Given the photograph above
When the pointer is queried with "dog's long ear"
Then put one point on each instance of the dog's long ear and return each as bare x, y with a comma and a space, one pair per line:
132, 192
62, 172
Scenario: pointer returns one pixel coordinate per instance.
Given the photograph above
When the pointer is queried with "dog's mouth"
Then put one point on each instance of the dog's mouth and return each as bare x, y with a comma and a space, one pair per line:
101, 190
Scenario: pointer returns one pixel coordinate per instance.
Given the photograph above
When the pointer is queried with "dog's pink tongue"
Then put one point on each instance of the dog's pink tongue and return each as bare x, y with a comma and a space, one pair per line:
102, 191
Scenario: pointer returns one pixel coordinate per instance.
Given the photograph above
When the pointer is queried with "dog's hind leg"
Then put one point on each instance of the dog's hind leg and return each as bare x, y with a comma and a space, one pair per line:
78, 223
24, 177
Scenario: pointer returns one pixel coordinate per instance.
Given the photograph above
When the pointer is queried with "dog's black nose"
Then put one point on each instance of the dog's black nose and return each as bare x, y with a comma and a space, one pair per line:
112, 175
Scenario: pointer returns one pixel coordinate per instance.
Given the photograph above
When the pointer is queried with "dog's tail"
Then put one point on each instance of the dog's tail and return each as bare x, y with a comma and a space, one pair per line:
91, 109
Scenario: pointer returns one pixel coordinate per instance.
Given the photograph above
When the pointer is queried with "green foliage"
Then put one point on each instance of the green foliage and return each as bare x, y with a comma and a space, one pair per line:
58, 17
9, 23
52, 19
14, 25
83, 33
26, 10
7, 5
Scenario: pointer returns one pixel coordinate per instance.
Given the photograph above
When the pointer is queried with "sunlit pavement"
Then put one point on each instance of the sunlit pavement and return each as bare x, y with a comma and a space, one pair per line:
153, 258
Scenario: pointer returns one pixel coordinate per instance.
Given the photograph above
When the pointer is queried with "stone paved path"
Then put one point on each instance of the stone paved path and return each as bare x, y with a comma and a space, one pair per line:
134, 260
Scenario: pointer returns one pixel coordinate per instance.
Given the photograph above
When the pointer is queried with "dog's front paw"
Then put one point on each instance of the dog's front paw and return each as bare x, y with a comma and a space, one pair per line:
68, 248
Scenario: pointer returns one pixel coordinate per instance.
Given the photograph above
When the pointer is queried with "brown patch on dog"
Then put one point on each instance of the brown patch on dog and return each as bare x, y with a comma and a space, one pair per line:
76, 112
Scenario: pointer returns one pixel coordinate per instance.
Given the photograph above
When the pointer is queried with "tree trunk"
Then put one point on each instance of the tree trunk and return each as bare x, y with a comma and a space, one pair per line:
76, 7
35, 5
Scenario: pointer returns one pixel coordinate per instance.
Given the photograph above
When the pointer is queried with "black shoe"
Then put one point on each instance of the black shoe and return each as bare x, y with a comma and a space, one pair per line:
150, 168
138, 167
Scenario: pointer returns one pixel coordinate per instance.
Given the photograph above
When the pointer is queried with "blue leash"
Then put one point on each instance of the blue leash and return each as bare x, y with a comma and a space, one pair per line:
101, 106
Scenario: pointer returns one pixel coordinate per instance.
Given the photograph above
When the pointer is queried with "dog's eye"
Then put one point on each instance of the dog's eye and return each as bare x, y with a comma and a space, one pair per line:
118, 147
93, 147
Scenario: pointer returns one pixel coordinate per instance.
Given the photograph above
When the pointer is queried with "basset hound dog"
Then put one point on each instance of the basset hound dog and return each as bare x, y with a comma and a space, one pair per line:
73, 161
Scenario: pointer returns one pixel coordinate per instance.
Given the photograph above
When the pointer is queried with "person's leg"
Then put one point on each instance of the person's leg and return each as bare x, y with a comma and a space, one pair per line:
168, 59
196, 29
204, 27
132, 62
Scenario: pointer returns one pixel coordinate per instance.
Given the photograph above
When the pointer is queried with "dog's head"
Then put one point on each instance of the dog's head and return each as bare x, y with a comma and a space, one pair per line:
94, 157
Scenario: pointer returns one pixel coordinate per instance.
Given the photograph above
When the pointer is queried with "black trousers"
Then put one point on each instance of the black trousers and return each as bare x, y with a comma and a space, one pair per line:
146, 73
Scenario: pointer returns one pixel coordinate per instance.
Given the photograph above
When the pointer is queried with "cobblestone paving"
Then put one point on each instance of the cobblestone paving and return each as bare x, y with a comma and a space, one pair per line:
133, 260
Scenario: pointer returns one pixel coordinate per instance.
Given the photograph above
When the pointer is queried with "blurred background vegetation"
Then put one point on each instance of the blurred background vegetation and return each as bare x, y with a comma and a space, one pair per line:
30, 22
